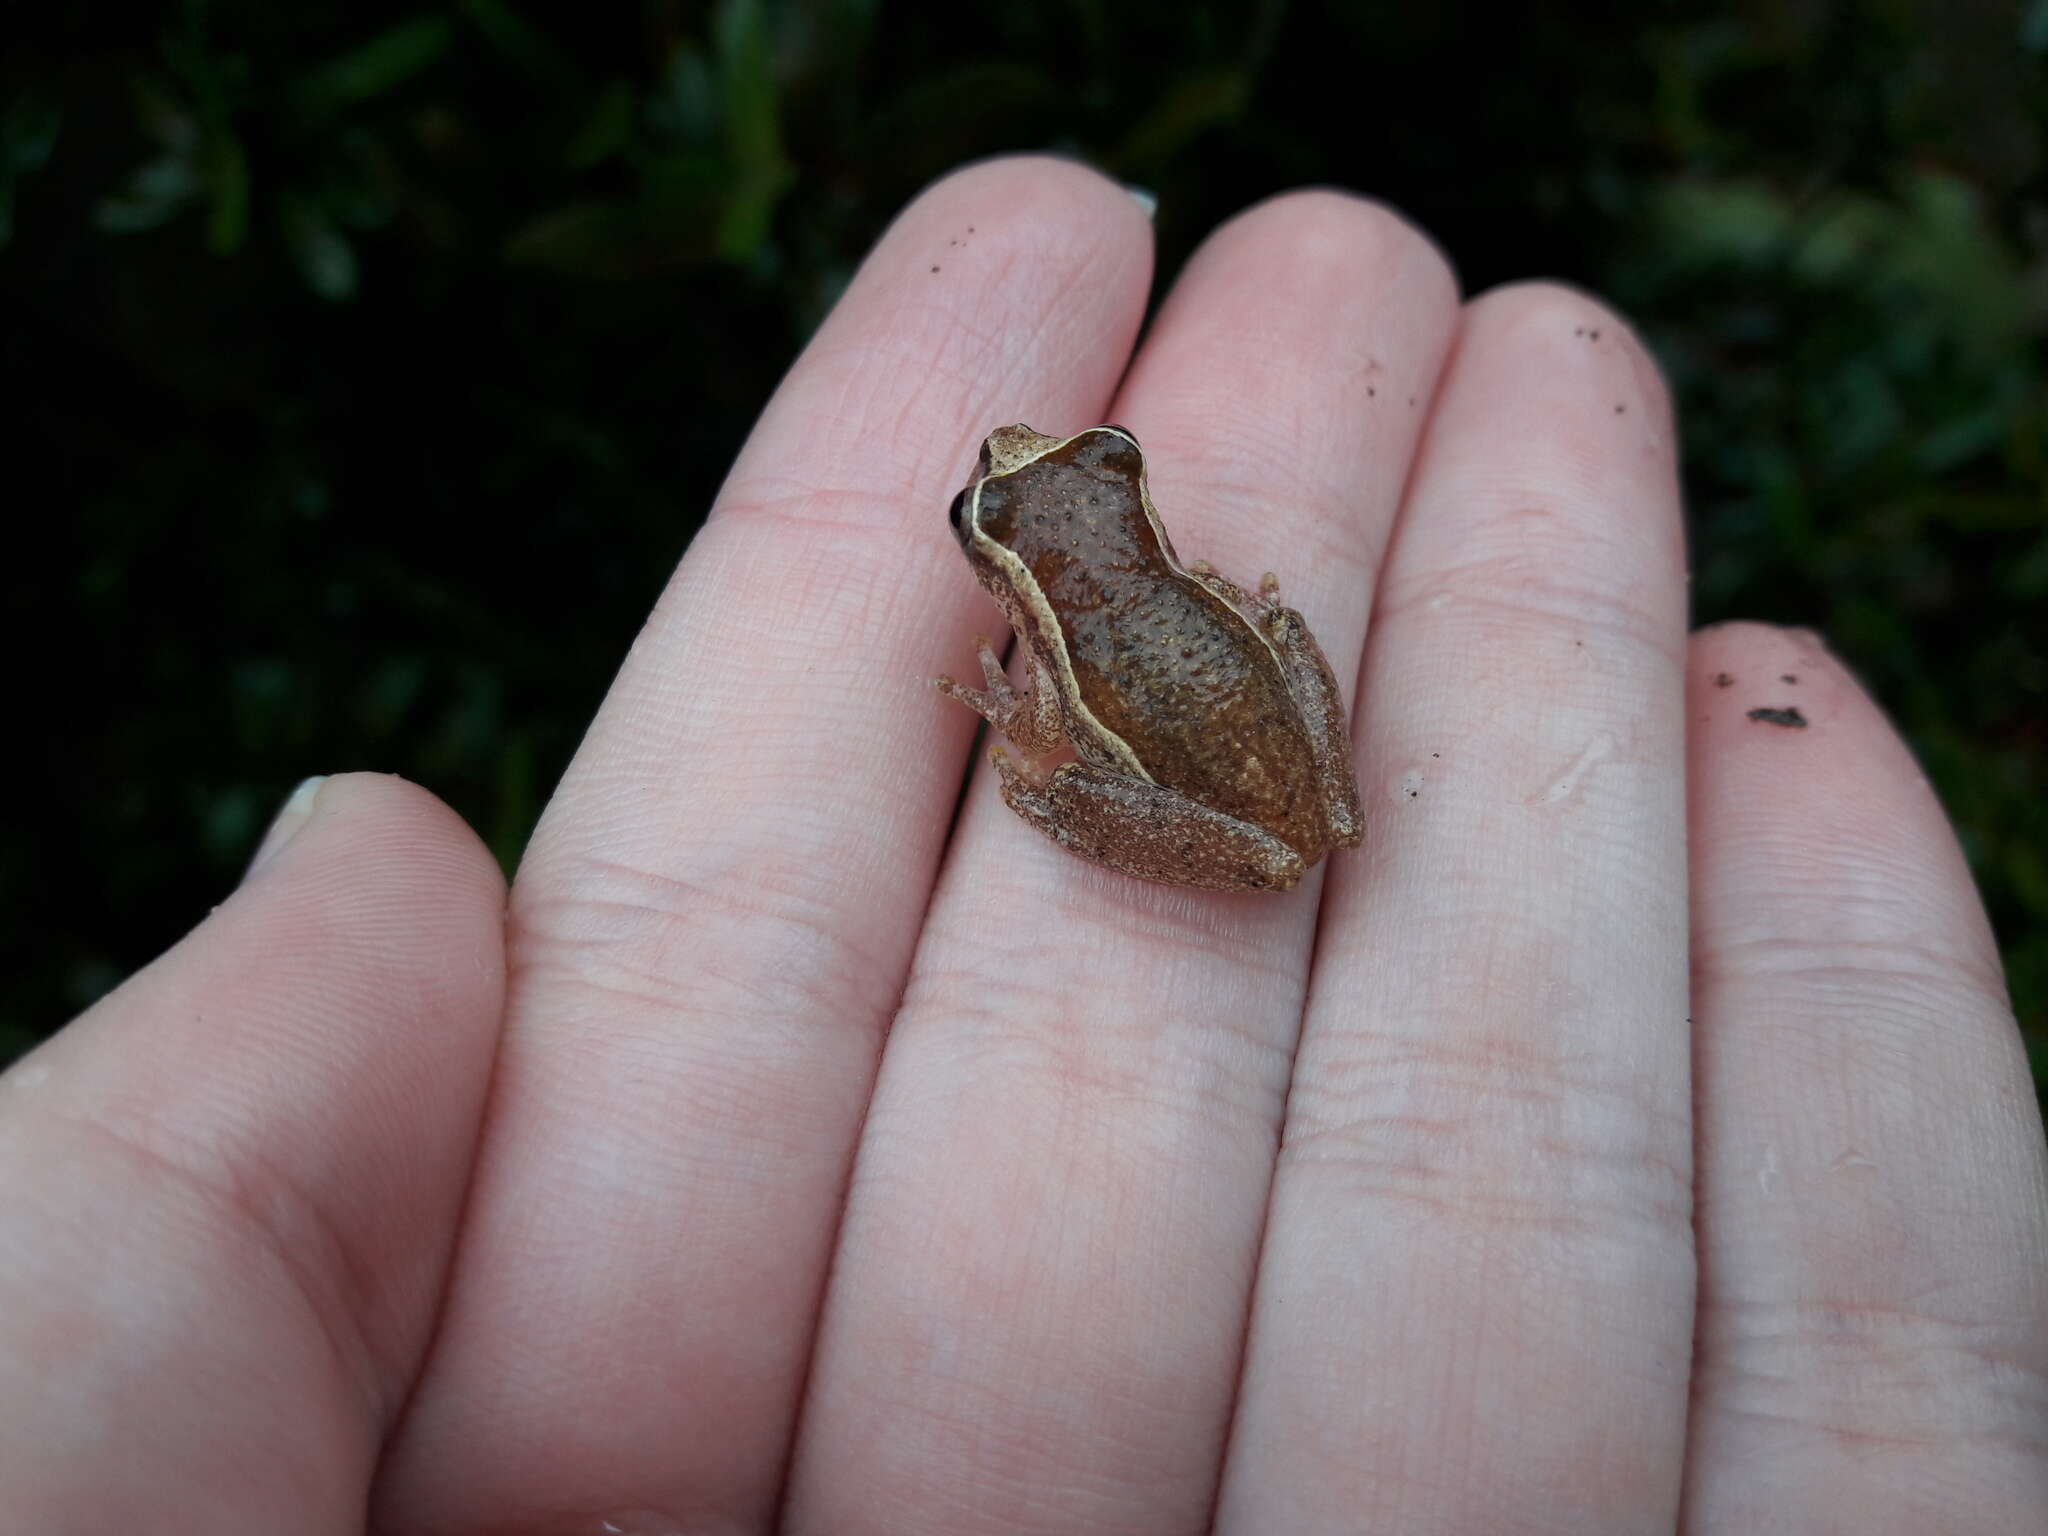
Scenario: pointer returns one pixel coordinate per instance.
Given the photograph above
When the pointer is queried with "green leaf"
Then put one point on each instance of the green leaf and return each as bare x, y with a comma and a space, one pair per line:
228, 179
1191, 106
380, 65
28, 131
753, 128
1712, 223
2034, 28
685, 106
953, 115
607, 131
325, 258
152, 194
164, 117
2028, 872
675, 225
521, 42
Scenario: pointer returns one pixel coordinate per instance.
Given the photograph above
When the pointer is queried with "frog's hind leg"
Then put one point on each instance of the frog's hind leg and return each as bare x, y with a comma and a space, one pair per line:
1147, 830
1315, 690
1029, 717
1251, 607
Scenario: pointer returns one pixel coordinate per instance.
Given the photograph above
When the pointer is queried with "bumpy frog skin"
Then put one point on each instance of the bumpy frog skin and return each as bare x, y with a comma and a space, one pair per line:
1208, 733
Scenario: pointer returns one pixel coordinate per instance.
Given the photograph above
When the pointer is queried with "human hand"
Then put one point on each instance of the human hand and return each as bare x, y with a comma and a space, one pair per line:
1631, 1136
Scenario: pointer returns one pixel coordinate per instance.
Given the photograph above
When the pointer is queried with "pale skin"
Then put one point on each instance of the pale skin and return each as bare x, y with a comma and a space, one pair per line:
1630, 1135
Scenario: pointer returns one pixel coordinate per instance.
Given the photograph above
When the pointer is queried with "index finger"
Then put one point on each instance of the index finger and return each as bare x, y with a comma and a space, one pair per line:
711, 928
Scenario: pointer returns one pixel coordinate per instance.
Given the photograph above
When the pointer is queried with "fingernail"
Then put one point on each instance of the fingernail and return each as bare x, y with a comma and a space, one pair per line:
296, 811
1145, 199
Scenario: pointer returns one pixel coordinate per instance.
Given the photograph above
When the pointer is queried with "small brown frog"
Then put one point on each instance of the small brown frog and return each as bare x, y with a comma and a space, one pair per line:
1209, 734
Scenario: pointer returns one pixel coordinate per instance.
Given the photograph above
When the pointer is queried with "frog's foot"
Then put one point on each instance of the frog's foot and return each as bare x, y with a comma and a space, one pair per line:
1147, 830
1030, 718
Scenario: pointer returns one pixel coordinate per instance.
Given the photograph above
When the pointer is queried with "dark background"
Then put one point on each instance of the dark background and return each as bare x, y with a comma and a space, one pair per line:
373, 364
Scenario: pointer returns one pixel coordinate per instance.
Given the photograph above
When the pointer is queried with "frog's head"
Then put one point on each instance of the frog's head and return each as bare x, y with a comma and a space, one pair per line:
1005, 452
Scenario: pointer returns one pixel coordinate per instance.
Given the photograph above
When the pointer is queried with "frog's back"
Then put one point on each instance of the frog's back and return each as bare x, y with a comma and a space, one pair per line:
1160, 661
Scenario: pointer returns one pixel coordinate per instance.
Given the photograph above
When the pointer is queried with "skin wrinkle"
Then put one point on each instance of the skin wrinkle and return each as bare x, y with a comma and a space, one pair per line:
1892, 1331
1782, 958
1244, 934
1020, 343
1190, 1101
1525, 587
1323, 562
653, 923
850, 595
837, 621
945, 989
1529, 507
1036, 1045
232, 1206
1380, 1130
366, 925
1011, 327
949, 992
1244, 941
1868, 898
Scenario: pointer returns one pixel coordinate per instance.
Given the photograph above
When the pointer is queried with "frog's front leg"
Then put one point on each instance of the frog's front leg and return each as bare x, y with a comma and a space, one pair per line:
1147, 830
1030, 718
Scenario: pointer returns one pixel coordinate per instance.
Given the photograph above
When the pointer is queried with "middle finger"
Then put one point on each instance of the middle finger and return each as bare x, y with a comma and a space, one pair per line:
1039, 1295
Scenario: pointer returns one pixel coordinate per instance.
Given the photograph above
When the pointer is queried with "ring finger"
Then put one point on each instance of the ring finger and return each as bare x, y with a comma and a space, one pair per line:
1474, 1305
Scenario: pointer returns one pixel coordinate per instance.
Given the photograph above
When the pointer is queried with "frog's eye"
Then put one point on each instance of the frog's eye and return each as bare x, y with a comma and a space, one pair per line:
958, 512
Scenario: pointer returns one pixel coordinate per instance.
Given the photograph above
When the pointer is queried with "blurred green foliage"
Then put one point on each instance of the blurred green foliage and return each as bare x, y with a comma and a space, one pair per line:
374, 363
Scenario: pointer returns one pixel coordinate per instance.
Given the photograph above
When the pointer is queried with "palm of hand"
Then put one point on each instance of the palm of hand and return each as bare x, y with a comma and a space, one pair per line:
1630, 1136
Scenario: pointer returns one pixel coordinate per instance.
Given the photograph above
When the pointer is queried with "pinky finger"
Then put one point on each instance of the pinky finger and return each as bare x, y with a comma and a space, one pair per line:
1872, 1349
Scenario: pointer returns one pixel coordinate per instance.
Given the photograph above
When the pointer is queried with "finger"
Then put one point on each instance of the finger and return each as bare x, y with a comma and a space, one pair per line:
1474, 1300
711, 930
227, 1192
1038, 1301
1873, 1219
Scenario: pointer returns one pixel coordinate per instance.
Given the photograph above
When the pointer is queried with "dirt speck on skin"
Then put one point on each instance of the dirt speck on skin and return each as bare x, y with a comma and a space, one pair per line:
1724, 680
1785, 717
1788, 677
